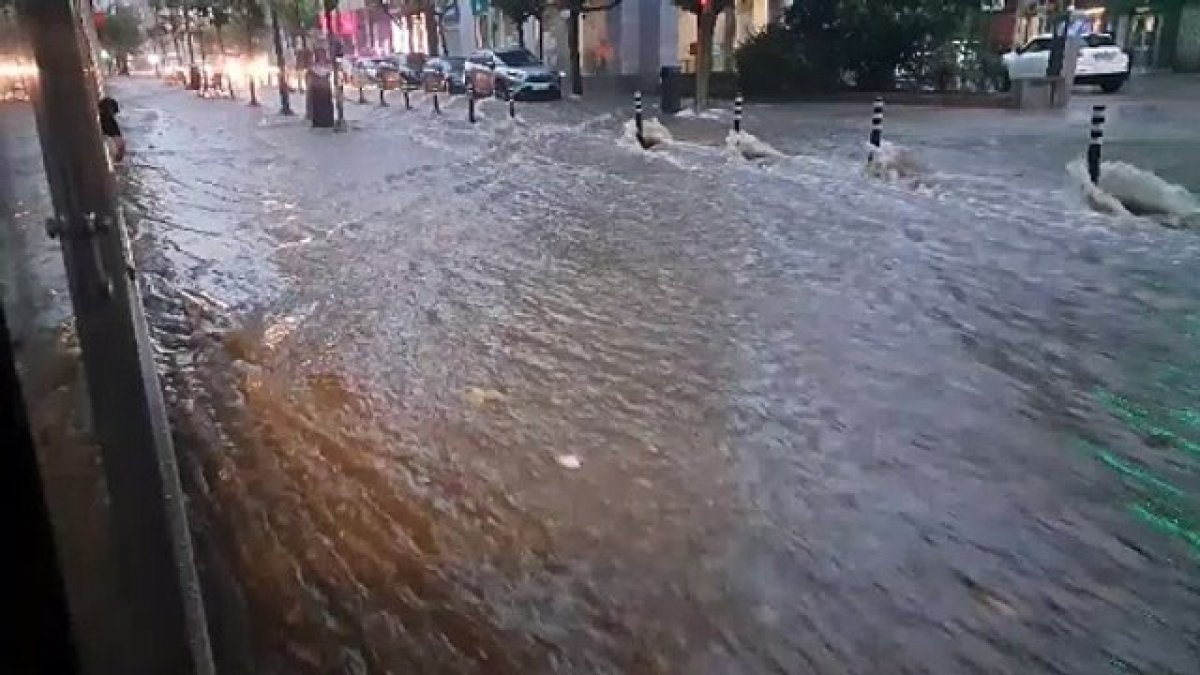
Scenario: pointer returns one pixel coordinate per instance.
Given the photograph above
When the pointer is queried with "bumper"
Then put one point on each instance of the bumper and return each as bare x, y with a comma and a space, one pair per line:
528, 91
1100, 78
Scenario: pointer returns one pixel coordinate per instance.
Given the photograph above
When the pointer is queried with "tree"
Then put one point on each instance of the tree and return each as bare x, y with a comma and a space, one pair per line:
121, 34
870, 38
575, 10
520, 11
706, 12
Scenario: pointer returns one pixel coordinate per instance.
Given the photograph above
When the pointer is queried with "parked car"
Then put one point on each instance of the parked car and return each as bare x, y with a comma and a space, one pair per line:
1101, 62
406, 74
512, 72
445, 74
375, 71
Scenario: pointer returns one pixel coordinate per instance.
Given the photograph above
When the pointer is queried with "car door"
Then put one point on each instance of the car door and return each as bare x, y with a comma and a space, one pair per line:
1032, 60
480, 72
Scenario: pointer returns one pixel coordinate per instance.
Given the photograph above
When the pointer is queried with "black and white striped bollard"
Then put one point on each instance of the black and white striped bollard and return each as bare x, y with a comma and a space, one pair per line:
437, 106
876, 138
471, 102
512, 107
737, 114
1096, 143
877, 123
637, 113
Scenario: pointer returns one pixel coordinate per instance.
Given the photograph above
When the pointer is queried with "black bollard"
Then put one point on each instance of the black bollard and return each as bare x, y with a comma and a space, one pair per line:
471, 102
437, 107
407, 102
512, 107
737, 114
382, 97
253, 93
877, 123
362, 95
637, 114
1096, 143
876, 128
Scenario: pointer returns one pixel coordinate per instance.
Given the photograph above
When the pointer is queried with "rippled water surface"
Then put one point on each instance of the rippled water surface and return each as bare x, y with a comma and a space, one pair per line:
520, 398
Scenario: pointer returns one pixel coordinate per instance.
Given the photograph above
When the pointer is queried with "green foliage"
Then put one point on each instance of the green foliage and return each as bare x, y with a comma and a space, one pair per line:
122, 30
823, 45
770, 63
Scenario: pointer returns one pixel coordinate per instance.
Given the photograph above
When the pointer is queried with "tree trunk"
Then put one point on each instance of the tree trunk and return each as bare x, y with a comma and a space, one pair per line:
187, 36
285, 102
541, 39
431, 30
521, 33
220, 44
573, 52
706, 23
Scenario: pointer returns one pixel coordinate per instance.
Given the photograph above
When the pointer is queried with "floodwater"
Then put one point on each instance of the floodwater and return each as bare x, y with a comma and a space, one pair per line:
522, 398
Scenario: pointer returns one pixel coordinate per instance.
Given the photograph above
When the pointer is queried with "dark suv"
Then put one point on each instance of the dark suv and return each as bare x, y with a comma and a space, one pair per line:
512, 72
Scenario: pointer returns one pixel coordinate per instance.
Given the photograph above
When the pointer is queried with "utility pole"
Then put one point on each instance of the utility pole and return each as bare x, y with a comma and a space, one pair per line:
162, 622
285, 103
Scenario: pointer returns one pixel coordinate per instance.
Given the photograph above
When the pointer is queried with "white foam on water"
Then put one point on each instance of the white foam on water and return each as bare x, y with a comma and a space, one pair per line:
1126, 190
893, 162
749, 146
653, 131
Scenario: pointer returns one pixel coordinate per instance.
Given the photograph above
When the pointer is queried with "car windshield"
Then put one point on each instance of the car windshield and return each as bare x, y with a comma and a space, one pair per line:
517, 57
1099, 41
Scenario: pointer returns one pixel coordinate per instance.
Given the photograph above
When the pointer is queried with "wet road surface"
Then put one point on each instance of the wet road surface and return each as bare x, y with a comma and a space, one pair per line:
520, 398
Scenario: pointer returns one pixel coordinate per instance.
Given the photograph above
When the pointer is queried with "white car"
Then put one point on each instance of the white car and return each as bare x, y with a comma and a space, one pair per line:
1101, 62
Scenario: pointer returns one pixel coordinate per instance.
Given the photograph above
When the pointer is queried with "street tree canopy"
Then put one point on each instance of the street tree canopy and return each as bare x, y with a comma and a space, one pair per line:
121, 32
828, 44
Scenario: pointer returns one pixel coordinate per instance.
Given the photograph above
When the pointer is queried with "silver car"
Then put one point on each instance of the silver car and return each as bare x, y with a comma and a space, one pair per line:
512, 72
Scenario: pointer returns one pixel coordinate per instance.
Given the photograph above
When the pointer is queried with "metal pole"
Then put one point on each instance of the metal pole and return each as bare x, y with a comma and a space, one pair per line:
285, 97
512, 107
163, 616
382, 96
471, 101
407, 102
437, 107
1097, 142
637, 113
737, 114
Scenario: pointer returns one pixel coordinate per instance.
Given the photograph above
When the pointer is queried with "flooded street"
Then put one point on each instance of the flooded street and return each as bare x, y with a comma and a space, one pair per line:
522, 398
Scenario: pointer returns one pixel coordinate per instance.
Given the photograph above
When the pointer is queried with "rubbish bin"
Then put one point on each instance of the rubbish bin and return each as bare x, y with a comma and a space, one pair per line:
320, 98
193, 81
668, 90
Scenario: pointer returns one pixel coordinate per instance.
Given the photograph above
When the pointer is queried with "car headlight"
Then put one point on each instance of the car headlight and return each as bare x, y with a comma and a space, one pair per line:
516, 74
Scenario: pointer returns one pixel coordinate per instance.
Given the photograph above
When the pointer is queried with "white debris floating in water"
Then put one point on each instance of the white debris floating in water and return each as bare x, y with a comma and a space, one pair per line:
750, 146
653, 132
892, 162
569, 461
1124, 190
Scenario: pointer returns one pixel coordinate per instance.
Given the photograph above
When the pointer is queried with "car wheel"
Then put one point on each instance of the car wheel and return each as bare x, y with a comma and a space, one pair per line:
1112, 86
